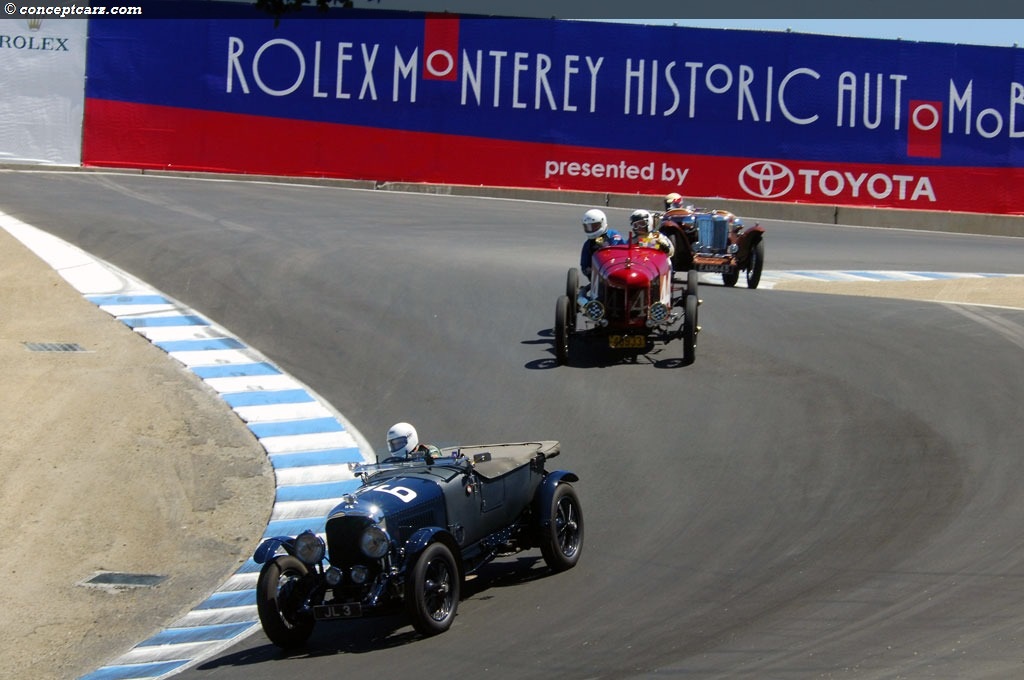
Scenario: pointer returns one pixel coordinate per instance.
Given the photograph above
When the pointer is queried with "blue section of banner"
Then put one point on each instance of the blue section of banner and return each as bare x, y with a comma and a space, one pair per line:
589, 84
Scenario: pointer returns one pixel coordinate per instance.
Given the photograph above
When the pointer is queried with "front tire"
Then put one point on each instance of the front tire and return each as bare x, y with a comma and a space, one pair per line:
692, 282
278, 596
562, 540
432, 590
756, 265
572, 291
690, 330
572, 283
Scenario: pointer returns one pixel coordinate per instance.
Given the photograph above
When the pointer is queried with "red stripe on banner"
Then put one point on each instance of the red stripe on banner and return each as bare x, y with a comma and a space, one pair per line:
440, 47
924, 129
126, 135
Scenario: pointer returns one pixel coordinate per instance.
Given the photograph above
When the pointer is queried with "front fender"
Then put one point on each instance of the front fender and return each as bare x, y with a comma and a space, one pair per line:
268, 548
747, 240
546, 492
427, 535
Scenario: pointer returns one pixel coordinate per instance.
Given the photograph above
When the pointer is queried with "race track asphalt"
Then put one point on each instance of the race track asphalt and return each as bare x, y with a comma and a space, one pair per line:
117, 446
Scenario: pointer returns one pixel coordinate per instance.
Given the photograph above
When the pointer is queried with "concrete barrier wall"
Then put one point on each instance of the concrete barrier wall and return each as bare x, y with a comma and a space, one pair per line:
972, 223
967, 223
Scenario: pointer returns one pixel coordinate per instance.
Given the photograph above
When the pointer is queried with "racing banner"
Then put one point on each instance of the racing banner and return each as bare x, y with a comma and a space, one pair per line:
560, 104
42, 74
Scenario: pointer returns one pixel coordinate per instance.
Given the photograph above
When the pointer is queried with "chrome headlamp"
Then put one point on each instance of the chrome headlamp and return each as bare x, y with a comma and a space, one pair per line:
594, 310
333, 576
359, 574
733, 248
309, 548
374, 542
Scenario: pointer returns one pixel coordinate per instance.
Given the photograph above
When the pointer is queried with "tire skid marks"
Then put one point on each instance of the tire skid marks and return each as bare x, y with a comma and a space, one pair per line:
1013, 332
306, 442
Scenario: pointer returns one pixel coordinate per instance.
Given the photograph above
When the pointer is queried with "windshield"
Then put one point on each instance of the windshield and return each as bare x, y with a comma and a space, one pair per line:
392, 464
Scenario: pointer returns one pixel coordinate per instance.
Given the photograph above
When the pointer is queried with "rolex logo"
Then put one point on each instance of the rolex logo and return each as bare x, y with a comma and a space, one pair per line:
34, 24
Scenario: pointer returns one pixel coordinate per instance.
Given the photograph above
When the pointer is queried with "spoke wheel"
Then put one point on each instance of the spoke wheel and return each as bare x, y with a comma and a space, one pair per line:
432, 590
279, 594
562, 538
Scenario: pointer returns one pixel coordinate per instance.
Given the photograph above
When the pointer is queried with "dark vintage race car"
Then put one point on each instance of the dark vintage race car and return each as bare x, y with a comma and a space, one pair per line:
715, 241
633, 301
409, 535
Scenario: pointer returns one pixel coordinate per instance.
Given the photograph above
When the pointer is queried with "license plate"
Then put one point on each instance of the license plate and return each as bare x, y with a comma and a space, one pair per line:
627, 341
326, 612
720, 268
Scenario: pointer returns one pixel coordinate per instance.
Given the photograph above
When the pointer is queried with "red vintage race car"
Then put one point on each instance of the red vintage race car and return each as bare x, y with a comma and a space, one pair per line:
632, 302
715, 241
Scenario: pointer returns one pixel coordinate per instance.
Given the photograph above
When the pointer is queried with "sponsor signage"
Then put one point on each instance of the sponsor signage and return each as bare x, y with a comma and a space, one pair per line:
42, 74
564, 104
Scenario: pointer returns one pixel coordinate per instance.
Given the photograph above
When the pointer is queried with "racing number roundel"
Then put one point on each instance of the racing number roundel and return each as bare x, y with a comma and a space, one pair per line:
402, 493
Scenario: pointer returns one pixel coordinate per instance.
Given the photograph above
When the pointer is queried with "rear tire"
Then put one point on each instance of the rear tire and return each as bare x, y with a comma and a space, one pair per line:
562, 329
277, 602
432, 590
682, 256
562, 540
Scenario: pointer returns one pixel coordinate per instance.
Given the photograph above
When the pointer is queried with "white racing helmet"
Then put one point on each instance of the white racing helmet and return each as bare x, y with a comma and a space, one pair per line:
595, 223
402, 439
641, 222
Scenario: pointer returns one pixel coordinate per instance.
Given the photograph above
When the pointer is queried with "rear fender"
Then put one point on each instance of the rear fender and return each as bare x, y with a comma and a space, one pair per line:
546, 491
671, 227
268, 548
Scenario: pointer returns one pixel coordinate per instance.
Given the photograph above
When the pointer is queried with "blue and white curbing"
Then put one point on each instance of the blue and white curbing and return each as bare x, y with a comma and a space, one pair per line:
307, 442
770, 278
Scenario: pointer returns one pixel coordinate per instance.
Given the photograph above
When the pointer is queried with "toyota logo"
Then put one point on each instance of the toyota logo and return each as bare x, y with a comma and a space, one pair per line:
766, 179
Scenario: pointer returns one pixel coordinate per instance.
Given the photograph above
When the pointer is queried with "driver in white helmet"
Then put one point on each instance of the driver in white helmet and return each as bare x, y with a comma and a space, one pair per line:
595, 225
645, 235
404, 444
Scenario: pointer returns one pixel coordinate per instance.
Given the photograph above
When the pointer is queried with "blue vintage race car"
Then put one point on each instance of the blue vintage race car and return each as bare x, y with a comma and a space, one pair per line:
407, 538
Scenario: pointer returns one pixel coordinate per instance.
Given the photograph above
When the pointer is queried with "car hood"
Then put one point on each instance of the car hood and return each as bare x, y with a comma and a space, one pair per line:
388, 496
630, 266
